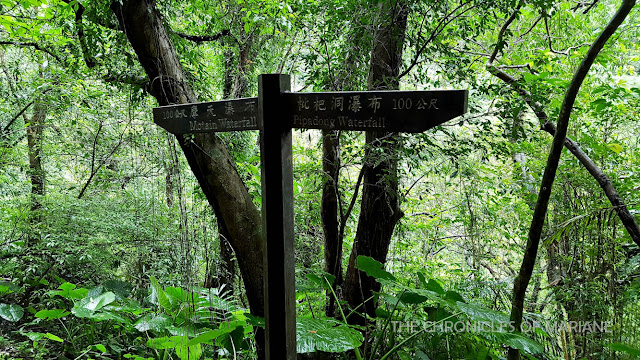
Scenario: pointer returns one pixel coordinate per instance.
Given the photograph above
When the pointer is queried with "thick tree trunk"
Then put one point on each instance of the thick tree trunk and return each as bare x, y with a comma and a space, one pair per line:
334, 218
236, 85
207, 156
330, 213
379, 211
36, 172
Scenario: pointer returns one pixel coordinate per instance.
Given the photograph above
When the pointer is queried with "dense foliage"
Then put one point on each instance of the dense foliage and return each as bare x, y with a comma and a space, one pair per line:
110, 249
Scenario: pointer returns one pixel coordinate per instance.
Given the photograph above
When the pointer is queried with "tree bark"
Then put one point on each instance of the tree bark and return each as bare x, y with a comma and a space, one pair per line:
379, 211
236, 85
207, 156
535, 231
36, 172
330, 214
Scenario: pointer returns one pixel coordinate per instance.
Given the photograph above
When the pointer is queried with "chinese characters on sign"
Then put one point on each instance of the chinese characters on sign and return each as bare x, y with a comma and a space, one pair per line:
228, 115
403, 111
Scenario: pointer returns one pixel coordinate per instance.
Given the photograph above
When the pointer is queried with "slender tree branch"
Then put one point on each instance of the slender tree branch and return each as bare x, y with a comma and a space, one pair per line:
34, 45
140, 81
501, 43
603, 180
345, 216
6, 128
442, 24
88, 58
203, 38
568, 50
535, 231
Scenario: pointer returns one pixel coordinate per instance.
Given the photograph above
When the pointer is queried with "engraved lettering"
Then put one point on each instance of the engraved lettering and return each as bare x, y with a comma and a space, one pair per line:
194, 111
303, 104
318, 104
374, 103
228, 108
210, 112
354, 104
338, 103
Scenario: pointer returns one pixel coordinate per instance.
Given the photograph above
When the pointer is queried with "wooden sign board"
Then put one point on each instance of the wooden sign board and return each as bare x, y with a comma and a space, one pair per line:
394, 111
275, 112
216, 116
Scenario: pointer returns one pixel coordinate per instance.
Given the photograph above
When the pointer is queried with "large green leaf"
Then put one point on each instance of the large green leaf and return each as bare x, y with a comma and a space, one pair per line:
160, 295
122, 289
153, 322
233, 337
410, 297
50, 336
69, 291
90, 304
373, 268
205, 337
52, 314
325, 335
11, 312
482, 314
625, 349
180, 344
100, 301
186, 352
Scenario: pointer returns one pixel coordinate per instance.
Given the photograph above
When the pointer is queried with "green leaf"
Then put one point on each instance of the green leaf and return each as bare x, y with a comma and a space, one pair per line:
514, 340
324, 281
156, 323
69, 291
100, 301
410, 297
163, 342
206, 337
625, 349
325, 335
122, 289
100, 348
382, 313
50, 336
373, 268
163, 300
523, 343
186, 352
435, 287
232, 336
254, 320
51, 314
11, 312
616, 148
482, 353
482, 314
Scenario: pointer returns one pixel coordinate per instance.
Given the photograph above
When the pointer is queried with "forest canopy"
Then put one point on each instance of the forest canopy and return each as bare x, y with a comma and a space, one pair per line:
508, 232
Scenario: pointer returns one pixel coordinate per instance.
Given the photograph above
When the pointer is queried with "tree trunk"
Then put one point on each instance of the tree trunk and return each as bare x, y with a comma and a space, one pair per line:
330, 214
535, 231
379, 211
36, 172
236, 85
207, 156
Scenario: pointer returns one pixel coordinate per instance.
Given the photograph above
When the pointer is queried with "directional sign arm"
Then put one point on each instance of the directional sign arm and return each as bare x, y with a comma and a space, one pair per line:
217, 116
398, 111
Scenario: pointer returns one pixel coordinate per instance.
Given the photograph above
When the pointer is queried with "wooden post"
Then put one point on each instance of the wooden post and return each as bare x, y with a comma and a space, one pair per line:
278, 111
277, 211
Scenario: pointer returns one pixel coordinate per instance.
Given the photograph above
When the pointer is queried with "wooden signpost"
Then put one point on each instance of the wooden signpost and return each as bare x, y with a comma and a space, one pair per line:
274, 113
